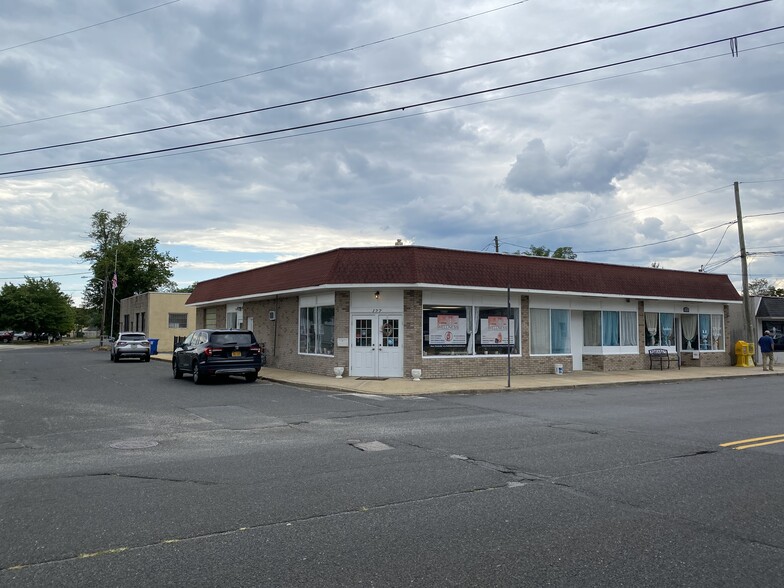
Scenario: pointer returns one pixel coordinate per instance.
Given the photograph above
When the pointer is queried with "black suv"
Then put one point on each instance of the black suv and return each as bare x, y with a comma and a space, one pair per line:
209, 352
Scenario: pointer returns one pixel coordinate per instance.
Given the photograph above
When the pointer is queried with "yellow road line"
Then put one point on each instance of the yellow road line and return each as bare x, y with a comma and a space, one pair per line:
748, 443
759, 444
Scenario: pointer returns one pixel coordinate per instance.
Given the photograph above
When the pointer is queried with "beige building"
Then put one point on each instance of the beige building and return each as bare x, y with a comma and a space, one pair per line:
161, 315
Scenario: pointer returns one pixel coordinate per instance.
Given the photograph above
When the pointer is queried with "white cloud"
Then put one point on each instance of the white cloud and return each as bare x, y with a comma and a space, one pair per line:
597, 166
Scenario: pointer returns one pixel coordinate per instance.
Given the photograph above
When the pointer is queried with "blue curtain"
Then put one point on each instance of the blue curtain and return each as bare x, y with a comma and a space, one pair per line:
559, 329
610, 328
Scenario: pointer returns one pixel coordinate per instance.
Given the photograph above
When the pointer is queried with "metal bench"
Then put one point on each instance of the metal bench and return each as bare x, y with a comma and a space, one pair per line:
662, 356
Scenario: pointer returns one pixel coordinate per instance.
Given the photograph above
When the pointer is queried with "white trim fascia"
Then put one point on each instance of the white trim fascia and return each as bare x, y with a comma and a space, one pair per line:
426, 286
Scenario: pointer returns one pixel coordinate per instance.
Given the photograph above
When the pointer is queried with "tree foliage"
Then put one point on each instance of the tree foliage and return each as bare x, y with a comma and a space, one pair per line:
37, 306
761, 287
542, 251
139, 266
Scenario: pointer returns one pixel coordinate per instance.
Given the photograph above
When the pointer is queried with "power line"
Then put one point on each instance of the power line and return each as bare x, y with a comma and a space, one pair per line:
275, 68
659, 242
446, 109
384, 111
50, 37
455, 107
396, 82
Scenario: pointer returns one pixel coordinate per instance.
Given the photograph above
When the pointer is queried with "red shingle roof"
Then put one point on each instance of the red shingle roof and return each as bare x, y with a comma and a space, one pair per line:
413, 265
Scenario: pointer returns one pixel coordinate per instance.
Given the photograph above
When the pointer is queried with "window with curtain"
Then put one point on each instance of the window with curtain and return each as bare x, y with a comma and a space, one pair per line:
628, 326
689, 331
609, 328
550, 331
667, 324
658, 329
652, 329
592, 328
710, 332
317, 330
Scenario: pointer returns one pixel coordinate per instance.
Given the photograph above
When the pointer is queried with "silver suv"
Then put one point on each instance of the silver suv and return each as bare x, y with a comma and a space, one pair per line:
130, 345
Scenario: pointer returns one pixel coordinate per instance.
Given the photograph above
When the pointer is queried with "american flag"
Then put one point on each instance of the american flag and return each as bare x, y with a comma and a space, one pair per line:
114, 281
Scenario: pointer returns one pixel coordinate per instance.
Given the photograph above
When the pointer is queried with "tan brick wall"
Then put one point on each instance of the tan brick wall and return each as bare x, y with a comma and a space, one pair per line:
281, 340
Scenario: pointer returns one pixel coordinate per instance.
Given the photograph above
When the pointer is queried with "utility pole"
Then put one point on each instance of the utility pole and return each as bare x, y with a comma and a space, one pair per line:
496, 243
748, 327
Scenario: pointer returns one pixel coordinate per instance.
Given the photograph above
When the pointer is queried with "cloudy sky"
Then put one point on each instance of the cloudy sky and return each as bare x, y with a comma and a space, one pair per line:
628, 163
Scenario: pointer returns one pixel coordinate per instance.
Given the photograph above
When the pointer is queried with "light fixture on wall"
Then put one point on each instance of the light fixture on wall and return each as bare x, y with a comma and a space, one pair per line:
376, 294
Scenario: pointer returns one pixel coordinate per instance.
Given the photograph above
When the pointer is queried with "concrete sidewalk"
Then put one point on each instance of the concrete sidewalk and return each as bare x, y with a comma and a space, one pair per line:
407, 387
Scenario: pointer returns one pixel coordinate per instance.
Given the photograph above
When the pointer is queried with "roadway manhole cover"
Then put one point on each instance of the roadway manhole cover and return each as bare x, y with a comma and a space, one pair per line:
133, 444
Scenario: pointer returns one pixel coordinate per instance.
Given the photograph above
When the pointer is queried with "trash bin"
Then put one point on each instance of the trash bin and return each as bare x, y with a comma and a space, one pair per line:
153, 346
559, 369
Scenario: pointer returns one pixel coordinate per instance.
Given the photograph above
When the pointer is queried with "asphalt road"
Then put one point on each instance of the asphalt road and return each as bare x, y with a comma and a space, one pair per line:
119, 475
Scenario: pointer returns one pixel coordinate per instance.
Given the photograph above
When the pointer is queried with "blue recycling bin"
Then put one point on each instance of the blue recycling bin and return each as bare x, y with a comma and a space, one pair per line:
153, 346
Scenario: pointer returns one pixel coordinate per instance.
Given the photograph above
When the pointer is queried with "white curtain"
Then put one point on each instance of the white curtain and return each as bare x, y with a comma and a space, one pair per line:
628, 328
592, 328
689, 328
717, 332
540, 331
652, 325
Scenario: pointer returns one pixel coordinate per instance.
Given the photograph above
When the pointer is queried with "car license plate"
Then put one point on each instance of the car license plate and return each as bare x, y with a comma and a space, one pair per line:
236, 353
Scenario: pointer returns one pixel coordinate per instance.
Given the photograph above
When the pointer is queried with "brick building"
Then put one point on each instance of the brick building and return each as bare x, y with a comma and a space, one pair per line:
381, 312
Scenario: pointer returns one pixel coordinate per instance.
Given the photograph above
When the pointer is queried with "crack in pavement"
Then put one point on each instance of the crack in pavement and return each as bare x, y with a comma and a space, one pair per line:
228, 532
140, 477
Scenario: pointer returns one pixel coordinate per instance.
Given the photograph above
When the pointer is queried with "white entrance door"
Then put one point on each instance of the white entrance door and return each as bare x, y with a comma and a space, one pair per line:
377, 346
576, 330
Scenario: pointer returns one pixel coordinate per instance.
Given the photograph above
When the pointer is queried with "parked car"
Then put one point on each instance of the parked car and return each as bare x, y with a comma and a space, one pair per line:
6, 336
211, 352
130, 345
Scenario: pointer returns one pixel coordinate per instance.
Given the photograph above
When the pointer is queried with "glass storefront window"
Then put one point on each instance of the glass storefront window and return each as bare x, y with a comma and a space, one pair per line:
550, 332
776, 329
445, 330
469, 330
317, 330
609, 328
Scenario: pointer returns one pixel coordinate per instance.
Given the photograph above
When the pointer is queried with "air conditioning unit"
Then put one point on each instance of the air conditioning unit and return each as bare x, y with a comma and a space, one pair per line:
272, 316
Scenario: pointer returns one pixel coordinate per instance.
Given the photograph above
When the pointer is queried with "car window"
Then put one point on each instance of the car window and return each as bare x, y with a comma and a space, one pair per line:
188, 339
231, 339
133, 337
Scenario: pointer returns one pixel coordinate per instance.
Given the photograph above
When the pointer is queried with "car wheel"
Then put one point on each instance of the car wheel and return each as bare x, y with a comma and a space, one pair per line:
251, 377
116, 358
197, 377
146, 358
177, 372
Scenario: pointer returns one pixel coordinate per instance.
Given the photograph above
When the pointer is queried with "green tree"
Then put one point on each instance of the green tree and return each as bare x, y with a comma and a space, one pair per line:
37, 306
84, 317
564, 253
542, 251
761, 287
139, 266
